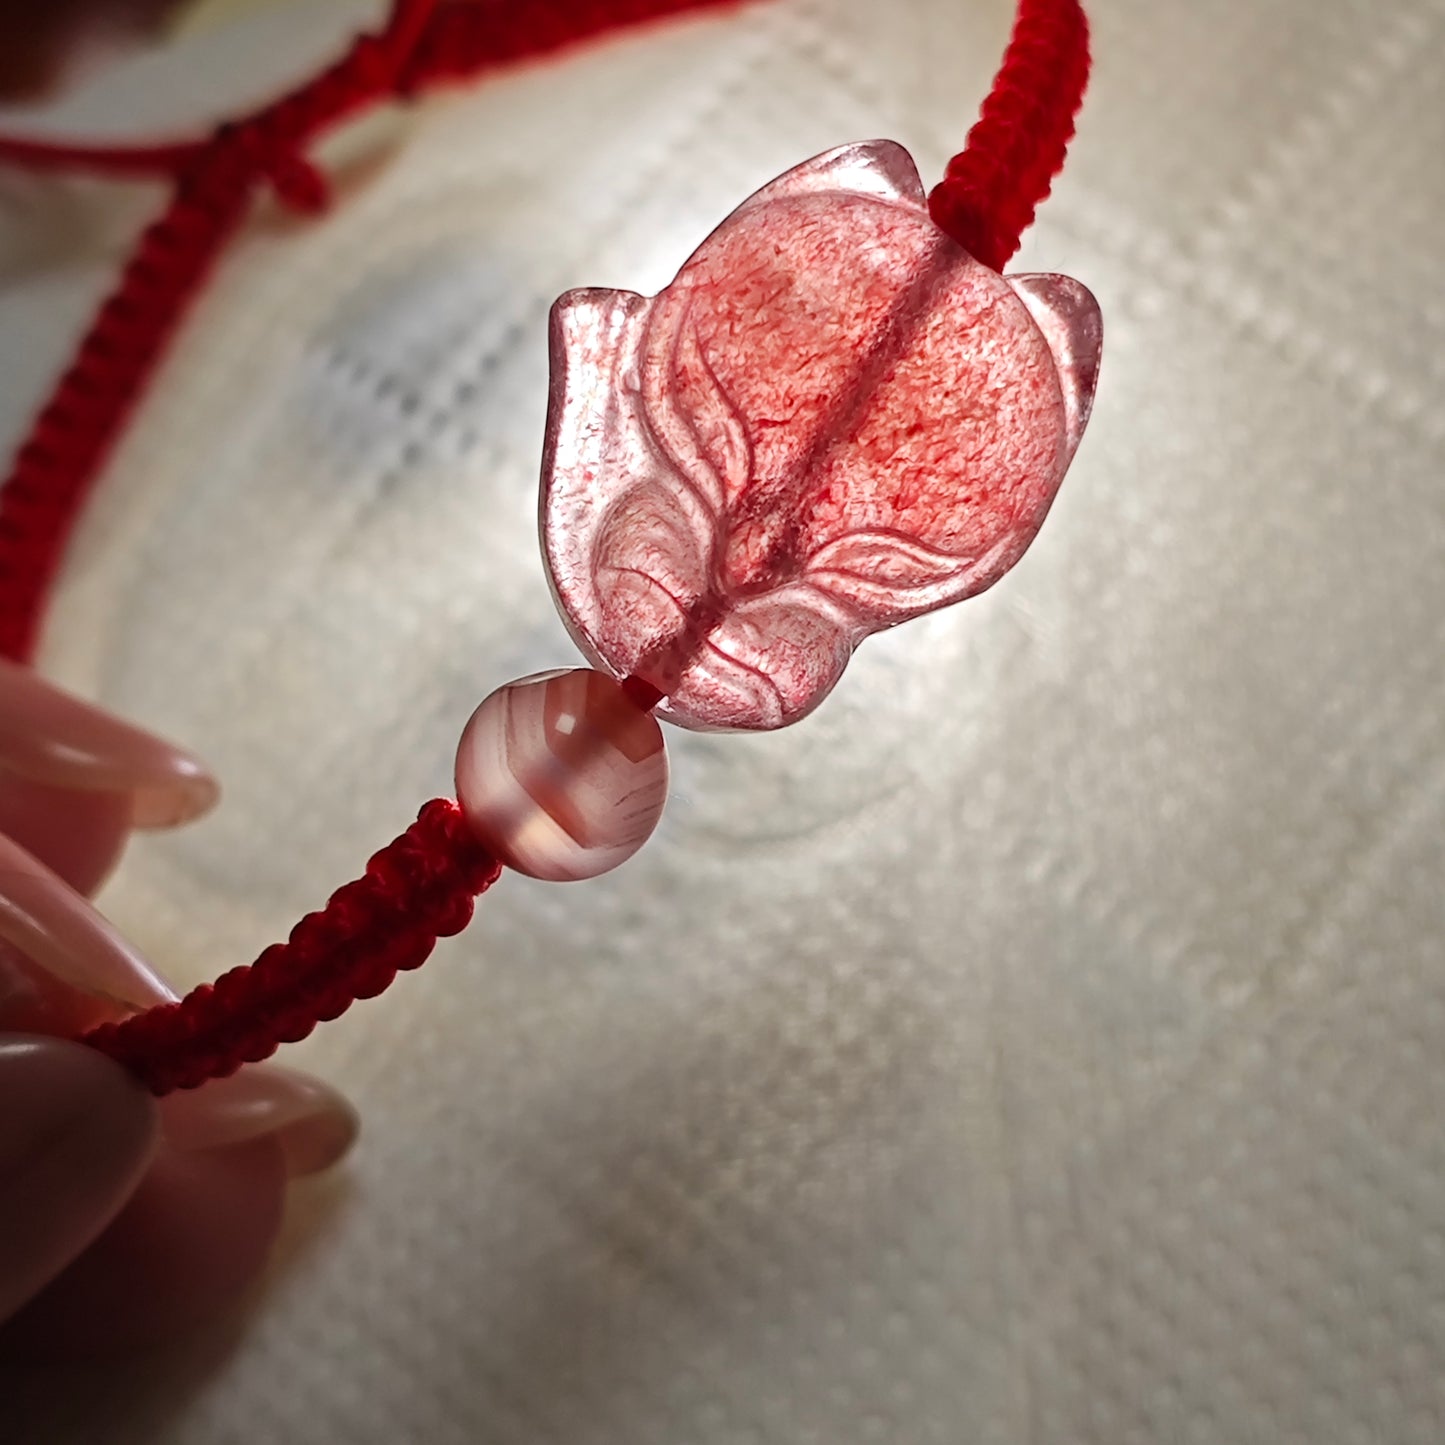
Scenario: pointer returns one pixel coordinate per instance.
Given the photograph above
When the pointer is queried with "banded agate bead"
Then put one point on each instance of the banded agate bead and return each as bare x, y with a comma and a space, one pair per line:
562, 775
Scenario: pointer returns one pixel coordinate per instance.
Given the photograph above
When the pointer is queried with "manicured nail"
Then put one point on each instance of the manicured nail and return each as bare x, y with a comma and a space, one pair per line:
313, 1123
58, 953
53, 739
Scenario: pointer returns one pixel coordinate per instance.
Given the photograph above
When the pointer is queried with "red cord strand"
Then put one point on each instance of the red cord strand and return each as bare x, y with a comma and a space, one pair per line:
417, 889
421, 886
991, 189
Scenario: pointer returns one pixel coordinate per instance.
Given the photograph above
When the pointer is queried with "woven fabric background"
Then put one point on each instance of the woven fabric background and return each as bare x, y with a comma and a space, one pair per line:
1041, 1045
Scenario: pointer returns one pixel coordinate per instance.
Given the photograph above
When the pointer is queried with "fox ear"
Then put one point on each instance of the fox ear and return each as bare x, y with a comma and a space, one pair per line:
1069, 318
593, 334
878, 168
592, 321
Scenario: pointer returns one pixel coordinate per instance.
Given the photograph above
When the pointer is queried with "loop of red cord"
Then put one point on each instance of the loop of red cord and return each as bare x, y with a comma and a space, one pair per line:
421, 886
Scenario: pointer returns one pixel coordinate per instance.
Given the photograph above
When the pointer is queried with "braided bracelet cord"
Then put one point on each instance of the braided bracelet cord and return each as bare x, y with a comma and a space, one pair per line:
417, 889
421, 886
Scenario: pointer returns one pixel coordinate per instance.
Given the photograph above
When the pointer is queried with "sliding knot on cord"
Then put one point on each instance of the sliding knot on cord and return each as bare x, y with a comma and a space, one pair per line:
236, 154
250, 152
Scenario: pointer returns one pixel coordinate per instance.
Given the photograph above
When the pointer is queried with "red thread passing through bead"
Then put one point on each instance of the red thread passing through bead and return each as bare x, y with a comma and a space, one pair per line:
421, 886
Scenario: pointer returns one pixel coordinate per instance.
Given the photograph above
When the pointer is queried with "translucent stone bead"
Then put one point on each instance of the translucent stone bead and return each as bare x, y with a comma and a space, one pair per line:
562, 775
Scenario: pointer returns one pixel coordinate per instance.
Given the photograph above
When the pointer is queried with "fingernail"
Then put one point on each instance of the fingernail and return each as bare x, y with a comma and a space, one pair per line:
76, 1134
58, 942
51, 738
313, 1124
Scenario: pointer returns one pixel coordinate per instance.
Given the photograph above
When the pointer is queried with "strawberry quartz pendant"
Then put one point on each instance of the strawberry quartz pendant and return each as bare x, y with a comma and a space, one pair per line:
833, 420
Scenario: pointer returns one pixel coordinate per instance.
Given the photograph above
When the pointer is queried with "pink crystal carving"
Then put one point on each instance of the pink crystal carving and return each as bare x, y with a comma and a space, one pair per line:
833, 420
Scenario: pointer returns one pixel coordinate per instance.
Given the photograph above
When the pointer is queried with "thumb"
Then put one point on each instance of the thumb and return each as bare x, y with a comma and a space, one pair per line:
76, 1134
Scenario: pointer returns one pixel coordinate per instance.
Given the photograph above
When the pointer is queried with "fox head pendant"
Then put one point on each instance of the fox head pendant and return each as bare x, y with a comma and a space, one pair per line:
834, 419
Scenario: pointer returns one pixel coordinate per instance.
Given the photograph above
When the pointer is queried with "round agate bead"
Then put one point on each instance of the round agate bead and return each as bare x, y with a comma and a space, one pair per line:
562, 775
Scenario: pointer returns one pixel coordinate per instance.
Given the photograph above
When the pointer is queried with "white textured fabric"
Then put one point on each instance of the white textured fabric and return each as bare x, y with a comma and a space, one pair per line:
1040, 1045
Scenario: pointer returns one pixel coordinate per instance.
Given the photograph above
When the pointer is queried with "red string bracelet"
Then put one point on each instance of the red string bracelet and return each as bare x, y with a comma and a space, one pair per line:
723, 524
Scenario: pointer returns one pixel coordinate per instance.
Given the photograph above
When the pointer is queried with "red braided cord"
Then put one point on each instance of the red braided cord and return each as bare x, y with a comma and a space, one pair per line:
421, 886
991, 189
